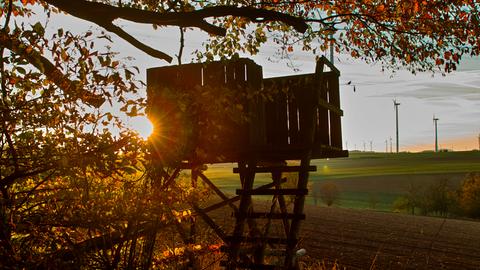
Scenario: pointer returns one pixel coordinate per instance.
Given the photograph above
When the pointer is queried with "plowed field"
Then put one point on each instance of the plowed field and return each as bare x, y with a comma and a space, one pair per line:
360, 239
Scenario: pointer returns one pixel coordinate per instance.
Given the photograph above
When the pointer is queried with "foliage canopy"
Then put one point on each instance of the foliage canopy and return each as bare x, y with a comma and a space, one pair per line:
72, 176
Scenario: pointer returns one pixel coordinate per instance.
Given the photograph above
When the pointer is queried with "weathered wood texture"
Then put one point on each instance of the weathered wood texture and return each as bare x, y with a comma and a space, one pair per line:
278, 112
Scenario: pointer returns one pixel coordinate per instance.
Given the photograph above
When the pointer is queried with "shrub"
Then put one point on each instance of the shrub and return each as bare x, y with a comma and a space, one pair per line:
469, 195
328, 193
401, 204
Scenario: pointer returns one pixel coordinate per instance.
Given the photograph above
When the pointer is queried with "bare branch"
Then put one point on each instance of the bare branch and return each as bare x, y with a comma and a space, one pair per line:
137, 44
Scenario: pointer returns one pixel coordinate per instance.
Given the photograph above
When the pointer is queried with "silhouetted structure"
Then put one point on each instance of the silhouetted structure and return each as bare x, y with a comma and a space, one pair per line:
226, 112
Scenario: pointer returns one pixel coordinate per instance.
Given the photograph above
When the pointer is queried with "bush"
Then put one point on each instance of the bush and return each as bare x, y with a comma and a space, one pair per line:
401, 204
329, 193
469, 195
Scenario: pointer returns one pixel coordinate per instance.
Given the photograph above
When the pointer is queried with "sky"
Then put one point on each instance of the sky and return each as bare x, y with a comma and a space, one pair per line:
369, 115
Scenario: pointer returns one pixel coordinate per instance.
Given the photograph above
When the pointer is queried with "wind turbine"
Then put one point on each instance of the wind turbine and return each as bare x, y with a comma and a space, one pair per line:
435, 120
391, 145
396, 104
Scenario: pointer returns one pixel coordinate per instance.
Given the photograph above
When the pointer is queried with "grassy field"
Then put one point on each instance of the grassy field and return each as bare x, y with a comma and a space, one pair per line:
372, 180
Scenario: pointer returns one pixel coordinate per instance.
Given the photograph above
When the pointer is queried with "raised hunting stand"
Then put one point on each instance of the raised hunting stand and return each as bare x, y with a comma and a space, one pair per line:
226, 112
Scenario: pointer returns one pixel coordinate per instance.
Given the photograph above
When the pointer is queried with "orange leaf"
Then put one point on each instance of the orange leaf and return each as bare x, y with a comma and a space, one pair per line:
455, 57
408, 58
380, 8
447, 55
416, 7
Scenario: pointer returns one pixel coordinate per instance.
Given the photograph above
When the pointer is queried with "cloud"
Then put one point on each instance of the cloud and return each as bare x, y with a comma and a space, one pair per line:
439, 90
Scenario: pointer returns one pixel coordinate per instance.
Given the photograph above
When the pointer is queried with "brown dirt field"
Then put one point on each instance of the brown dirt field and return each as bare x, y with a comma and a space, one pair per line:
364, 239
361, 239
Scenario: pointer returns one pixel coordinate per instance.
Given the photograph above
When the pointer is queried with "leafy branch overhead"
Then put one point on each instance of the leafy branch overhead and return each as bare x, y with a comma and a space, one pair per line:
420, 35
104, 15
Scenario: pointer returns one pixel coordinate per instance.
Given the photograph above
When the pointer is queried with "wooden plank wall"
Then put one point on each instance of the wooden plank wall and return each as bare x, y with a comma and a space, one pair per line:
164, 83
335, 122
322, 134
277, 123
288, 114
171, 129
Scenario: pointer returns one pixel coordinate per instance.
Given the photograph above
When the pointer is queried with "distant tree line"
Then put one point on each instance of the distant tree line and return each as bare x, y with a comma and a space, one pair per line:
442, 199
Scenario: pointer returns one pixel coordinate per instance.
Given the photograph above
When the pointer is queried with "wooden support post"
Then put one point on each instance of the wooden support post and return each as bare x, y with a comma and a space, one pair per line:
193, 264
277, 178
308, 121
218, 191
262, 245
290, 260
245, 205
237, 198
210, 222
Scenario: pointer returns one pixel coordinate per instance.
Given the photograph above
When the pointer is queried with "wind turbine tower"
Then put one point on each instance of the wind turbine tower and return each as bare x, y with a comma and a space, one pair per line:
391, 145
435, 120
396, 104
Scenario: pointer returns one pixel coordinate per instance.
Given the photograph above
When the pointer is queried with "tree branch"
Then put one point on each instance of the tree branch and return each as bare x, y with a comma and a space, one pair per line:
38, 61
105, 241
104, 15
137, 44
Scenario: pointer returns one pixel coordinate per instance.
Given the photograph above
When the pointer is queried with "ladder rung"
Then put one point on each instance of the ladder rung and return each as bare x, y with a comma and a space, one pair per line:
273, 215
252, 266
283, 191
276, 169
265, 240
249, 250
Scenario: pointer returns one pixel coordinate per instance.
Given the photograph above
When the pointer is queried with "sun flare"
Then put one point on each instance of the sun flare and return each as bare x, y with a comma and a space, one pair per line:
143, 126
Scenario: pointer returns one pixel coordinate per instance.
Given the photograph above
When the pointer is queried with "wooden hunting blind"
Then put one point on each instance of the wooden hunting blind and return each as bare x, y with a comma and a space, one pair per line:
226, 112
272, 118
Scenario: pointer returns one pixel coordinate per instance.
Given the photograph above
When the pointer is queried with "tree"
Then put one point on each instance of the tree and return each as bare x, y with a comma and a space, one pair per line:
412, 199
73, 192
469, 195
439, 196
328, 193
419, 35
78, 190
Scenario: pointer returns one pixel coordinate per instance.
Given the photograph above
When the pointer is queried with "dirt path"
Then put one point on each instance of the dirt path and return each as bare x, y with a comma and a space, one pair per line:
358, 239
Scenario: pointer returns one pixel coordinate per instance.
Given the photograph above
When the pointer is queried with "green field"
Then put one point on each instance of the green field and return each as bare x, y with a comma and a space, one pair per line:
371, 180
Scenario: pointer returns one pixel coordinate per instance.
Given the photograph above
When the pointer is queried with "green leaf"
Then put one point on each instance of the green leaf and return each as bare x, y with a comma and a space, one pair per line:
38, 28
21, 70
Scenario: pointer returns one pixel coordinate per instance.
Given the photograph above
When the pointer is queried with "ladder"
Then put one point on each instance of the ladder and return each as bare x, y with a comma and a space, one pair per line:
260, 247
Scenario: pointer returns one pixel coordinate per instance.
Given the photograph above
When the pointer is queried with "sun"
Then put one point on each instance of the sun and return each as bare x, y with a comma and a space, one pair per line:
143, 126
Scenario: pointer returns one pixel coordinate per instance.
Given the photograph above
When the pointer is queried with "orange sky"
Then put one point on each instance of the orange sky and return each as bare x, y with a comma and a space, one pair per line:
460, 144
